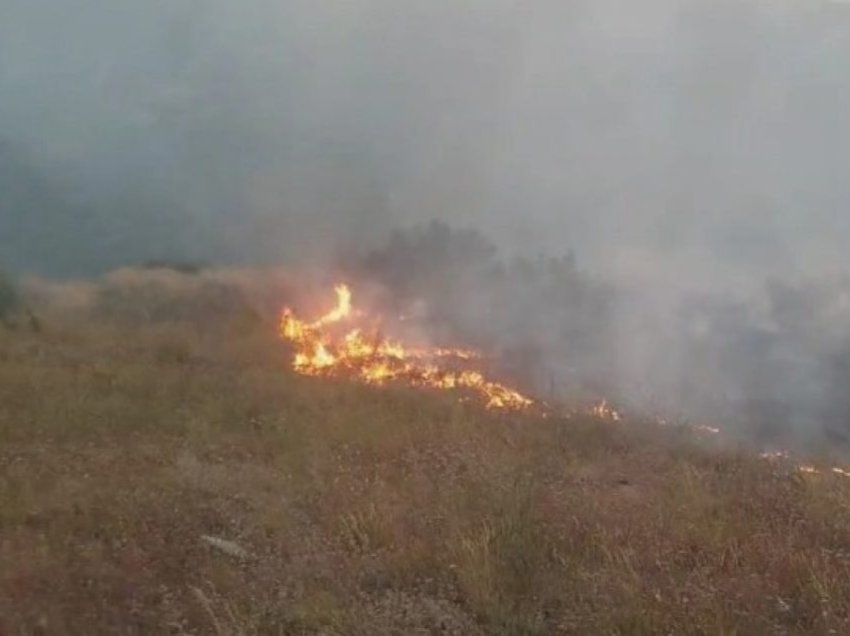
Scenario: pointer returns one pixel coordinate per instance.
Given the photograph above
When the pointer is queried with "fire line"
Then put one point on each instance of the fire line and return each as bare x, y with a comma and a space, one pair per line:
335, 345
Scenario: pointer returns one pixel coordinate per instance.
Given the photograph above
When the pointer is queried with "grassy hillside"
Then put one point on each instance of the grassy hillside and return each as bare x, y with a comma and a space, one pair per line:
361, 511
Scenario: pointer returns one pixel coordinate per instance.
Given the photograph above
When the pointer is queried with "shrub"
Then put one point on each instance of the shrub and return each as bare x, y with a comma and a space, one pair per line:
9, 298
181, 267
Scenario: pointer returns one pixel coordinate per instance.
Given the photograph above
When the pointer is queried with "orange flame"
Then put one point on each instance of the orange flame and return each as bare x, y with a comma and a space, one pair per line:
330, 347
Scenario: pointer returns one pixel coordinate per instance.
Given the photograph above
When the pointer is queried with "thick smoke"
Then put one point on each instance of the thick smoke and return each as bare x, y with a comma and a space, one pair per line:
773, 368
696, 141
689, 153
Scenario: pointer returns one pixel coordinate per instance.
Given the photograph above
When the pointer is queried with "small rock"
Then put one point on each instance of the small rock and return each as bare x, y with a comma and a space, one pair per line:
228, 547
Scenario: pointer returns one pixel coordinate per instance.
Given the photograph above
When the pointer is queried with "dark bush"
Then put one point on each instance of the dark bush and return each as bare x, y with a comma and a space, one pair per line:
181, 267
9, 297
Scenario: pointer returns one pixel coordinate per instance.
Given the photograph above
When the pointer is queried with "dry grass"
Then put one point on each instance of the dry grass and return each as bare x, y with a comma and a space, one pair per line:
374, 512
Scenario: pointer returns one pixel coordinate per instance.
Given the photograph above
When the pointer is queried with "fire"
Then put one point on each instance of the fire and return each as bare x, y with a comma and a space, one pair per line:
806, 469
339, 345
335, 345
605, 411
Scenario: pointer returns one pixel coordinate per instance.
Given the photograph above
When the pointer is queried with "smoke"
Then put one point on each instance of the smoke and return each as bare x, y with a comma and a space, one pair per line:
771, 368
686, 151
700, 134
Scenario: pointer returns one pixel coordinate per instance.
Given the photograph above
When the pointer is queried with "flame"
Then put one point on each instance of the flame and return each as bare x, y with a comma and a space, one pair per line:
605, 411
333, 346
807, 469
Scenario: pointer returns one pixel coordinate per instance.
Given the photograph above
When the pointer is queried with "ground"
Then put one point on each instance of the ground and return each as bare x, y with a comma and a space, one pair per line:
178, 478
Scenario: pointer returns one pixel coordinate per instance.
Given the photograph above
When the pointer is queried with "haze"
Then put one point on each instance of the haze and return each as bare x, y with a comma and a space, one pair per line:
705, 137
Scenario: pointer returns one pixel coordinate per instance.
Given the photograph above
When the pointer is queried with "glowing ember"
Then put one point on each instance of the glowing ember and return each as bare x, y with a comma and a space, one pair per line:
333, 346
605, 411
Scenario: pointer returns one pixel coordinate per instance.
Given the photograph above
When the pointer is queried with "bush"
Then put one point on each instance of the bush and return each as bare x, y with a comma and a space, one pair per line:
9, 298
181, 267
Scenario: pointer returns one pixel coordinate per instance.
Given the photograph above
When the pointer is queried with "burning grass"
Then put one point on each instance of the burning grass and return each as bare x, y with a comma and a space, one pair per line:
128, 455
337, 344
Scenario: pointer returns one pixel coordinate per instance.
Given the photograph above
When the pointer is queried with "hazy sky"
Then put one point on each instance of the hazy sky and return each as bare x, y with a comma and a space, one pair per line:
698, 139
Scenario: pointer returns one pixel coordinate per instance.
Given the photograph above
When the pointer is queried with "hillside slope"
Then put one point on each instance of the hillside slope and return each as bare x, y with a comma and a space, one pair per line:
130, 457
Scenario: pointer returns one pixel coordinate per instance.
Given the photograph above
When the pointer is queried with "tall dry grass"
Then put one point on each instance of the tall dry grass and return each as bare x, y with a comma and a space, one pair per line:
124, 441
